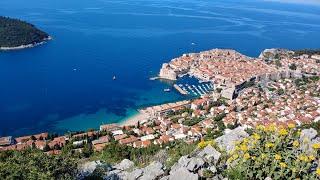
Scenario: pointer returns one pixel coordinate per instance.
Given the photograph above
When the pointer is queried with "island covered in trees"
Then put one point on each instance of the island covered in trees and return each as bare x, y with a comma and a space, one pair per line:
17, 34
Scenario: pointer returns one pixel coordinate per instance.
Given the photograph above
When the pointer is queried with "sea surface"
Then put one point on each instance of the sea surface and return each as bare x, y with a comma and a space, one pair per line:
66, 84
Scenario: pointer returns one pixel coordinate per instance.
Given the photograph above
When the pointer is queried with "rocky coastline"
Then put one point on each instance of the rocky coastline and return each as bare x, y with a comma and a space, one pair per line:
45, 40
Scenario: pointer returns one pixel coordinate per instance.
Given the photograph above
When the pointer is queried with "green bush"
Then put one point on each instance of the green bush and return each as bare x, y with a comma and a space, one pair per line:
34, 164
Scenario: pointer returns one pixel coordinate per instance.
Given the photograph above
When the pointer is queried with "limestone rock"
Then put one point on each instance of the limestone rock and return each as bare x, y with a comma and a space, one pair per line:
182, 174
154, 170
182, 162
213, 169
308, 137
228, 140
135, 174
88, 168
210, 154
112, 177
308, 133
165, 178
124, 164
195, 164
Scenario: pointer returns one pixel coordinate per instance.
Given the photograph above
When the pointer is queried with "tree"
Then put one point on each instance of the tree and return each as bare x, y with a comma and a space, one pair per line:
219, 117
278, 63
33, 138
219, 90
293, 66
46, 148
87, 150
34, 164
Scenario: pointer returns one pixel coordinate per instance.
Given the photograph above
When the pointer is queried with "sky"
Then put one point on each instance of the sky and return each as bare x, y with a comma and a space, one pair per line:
315, 2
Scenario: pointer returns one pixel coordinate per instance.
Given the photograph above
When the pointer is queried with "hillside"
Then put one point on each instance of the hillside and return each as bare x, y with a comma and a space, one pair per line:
15, 33
263, 152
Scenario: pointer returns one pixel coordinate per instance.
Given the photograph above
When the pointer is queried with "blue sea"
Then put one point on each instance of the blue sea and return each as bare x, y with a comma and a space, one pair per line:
66, 84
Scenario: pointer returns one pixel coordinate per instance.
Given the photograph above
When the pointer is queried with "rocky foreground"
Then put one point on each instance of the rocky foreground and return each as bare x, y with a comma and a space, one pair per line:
206, 163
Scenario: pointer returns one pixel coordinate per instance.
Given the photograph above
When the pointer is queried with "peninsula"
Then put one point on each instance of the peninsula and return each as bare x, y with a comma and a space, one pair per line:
17, 34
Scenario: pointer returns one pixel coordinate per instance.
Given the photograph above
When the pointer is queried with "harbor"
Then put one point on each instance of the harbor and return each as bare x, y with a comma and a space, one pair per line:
181, 91
194, 90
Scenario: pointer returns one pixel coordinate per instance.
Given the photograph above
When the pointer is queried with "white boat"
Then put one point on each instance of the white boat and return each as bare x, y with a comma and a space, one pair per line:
114, 78
167, 90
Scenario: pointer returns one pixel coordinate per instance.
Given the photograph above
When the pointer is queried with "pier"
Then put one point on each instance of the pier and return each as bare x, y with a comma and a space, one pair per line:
154, 78
196, 90
181, 91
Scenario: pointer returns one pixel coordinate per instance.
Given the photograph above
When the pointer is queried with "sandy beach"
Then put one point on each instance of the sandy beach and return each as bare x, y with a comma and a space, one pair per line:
141, 116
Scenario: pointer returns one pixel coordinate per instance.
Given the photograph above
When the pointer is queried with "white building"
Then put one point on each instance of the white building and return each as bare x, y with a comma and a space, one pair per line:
117, 132
179, 136
147, 137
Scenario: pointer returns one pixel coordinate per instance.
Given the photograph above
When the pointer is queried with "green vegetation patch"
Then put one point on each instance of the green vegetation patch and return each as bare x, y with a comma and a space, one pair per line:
14, 32
34, 164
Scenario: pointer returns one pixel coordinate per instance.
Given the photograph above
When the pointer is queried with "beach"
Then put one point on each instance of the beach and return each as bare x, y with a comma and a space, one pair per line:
131, 121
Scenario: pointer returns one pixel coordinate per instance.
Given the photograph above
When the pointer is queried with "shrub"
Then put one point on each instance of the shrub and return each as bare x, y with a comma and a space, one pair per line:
207, 173
34, 164
293, 66
202, 144
273, 152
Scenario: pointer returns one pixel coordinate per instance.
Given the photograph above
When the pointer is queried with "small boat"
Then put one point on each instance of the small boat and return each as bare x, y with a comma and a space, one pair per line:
114, 78
167, 90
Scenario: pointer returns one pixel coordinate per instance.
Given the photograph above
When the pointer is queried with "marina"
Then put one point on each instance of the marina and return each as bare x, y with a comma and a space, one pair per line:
194, 90
181, 91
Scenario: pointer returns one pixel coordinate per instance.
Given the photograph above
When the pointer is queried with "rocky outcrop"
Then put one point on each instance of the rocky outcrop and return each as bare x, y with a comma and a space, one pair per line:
182, 173
152, 171
88, 168
199, 164
155, 170
133, 175
308, 137
308, 134
193, 167
210, 154
182, 162
124, 165
227, 141
195, 164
